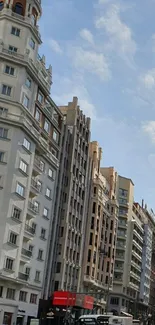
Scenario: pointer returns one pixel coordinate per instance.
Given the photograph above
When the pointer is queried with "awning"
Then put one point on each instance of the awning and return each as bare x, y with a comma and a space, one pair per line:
69, 299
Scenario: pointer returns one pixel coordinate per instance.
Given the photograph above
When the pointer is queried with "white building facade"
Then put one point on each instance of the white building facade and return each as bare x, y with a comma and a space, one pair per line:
30, 135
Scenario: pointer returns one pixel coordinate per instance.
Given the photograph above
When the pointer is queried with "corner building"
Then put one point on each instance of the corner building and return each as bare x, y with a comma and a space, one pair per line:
30, 136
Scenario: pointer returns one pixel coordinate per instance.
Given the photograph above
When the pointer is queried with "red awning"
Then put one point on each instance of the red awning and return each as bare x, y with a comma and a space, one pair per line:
64, 298
68, 299
88, 302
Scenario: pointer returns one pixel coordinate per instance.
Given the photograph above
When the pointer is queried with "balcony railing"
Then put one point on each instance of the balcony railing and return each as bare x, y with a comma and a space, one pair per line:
35, 185
32, 207
38, 163
29, 229
26, 253
23, 276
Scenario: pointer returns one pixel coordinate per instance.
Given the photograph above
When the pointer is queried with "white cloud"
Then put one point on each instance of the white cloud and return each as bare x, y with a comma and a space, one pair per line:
119, 34
149, 128
100, 2
68, 88
87, 36
148, 79
92, 62
54, 45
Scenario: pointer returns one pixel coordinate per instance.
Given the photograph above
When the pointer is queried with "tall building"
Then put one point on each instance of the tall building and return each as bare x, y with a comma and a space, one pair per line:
100, 237
30, 135
71, 205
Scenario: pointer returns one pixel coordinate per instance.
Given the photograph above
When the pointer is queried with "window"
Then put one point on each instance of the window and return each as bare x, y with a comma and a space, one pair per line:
1, 5
23, 166
6, 90
33, 298
43, 233
13, 49
51, 173
27, 144
18, 9
31, 248
16, 213
55, 136
3, 133
10, 294
40, 255
27, 270
9, 263
1, 156
26, 101
1, 291
9, 70
37, 276
20, 189
45, 213
46, 126
7, 319
123, 192
58, 268
32, 43
13, 238
114, 301
40, 97
48, 193
28, 82
22, 296
15, 31
91, 239
34, 226
37, 115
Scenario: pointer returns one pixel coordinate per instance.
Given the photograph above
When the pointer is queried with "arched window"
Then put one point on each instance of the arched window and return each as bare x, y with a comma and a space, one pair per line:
1, 5
18, 9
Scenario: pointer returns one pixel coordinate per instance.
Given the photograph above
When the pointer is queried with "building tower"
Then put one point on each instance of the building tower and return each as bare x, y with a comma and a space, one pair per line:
30, 135
71, 205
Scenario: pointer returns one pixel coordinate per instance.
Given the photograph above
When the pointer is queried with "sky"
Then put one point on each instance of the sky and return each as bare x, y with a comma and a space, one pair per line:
103, 52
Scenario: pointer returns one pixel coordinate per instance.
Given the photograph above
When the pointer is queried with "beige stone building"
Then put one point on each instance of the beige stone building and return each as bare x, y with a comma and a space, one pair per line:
100, 240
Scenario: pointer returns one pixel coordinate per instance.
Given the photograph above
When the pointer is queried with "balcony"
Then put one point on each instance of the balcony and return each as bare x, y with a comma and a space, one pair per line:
35, 187
25, 255
23, 276
29, 232
118, 269
33, 208
38, 167
121, 235
122, 225
119, 257
120, 246
137, 245
134, 275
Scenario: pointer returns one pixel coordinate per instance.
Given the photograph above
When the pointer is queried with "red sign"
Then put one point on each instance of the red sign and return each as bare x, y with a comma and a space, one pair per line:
64, 298
88, 302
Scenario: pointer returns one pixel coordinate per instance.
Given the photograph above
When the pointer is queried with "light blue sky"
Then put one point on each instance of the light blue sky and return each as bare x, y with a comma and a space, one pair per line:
103, 52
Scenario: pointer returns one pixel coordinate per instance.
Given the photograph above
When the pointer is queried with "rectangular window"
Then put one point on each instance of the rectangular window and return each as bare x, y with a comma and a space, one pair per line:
6, 90
33, 299
3, 133
15, 31
37, 276
13, 49
26, 101
45, 213
9, 263
40, 255
40, 97
55, 136
1, 291
1, 156
10, 294
43, 233
22, 296
48, 193
32, 43
20, 189
9, 70
27, 144
46, 126
23, 166
13, 238
58, 268
51, 173
28, 82
16, 213
34, 226
38, 115
27, 270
